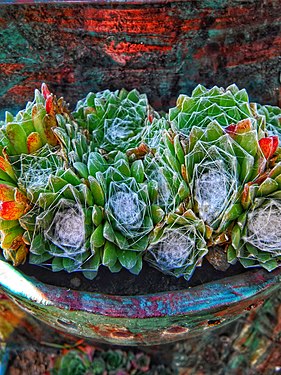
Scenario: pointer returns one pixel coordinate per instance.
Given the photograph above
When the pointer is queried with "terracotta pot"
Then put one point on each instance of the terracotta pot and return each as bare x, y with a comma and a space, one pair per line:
162, 48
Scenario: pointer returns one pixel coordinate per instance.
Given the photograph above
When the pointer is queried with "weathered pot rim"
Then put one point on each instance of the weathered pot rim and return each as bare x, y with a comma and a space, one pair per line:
214, 295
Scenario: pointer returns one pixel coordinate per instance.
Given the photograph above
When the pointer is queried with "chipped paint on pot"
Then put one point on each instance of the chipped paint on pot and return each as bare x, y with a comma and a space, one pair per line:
143, 319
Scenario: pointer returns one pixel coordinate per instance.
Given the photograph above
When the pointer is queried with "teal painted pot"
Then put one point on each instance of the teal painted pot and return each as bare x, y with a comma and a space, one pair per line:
162, 48
143, 319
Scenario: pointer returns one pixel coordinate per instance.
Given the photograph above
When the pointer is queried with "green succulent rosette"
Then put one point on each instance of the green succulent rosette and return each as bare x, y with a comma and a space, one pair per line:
178, 245
165, 165
33, 126
59, 226
256, 239
35, 170
225, 106
218, 164
124, 212
74, 141
154, 132
272, 116
115, 120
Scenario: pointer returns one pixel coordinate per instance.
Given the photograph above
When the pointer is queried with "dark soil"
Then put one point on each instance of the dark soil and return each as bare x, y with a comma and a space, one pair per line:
148, 281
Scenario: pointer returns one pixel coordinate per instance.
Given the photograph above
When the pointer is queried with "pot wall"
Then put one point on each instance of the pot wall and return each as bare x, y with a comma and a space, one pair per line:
163, 48
140, 320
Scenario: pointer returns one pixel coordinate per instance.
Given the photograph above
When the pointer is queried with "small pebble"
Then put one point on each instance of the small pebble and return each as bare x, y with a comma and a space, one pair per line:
75, 282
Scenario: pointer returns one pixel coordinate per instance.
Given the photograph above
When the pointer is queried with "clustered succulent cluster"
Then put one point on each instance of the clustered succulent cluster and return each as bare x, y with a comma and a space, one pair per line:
115, 183
87, 360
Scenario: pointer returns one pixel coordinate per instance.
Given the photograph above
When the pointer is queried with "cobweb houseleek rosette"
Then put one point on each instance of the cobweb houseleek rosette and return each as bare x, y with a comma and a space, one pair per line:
165, 165
226, 106
272, 116
58, 229
218, 164
178, 245
74, 141
36, 170
124, 212
115, 120
33, 126
256, 239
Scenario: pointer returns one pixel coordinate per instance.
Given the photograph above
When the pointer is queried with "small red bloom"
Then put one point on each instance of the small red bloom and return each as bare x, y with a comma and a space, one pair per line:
45, 91
50, 105
269, 145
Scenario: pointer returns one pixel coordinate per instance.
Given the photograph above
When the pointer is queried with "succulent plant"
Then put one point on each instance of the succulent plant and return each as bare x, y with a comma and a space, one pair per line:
32, 127
218, 164
114, 183
272, 116
13, 205
166, 167
115, 120
74, 362
123, 213
177, 245
59, 226
256, 238
226, 106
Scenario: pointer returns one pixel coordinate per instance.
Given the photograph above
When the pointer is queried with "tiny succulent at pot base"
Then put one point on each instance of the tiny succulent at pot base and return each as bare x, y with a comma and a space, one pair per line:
114, 183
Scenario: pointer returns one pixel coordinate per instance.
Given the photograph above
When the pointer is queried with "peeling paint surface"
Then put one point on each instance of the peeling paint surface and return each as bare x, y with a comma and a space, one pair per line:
162, 48
140, 320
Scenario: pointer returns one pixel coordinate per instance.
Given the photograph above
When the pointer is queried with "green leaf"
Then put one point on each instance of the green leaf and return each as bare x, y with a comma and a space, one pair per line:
270, 265
93, 263
128, 259
116, 268
8, 224
137, 170
231, 255
38, 245
90, 275
157, 214
17, 137
109, 257
39, 259
71, 177
172, 160
234, 212
46, 199
97, 191
97, 215
108, 232
141, 244
38, 114
152, 187
122, 166
236, 236
183, 190
82, 169
57, 183
178, 149
96, 163
247, 262
267, 187
121, 240
70, 265
97, 238
138, 266
57, 264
